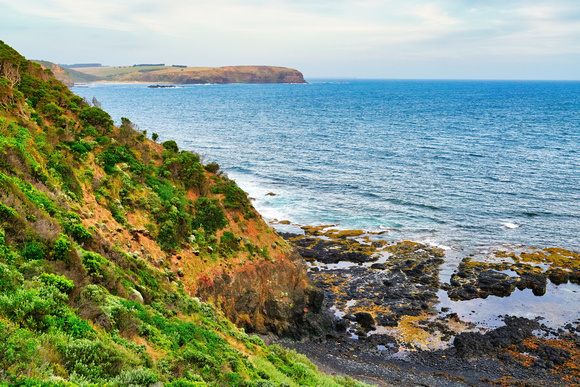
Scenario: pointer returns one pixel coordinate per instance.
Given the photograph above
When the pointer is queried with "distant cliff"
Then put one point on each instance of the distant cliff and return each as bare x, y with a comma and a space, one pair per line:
195, 75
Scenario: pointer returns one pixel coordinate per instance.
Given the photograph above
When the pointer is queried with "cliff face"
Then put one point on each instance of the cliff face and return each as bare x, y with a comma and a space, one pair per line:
280, 299
105, 236
197, 75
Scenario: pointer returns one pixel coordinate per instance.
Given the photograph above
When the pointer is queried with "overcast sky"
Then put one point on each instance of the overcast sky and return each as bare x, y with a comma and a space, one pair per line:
449, 39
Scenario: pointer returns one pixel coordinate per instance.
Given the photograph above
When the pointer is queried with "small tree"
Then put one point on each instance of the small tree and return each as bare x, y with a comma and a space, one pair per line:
155, 136
10, 71
96, 102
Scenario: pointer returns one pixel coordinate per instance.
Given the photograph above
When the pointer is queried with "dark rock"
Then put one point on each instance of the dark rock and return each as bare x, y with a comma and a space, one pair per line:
558, 276
517, 329
315, 299
366, 321
342, 325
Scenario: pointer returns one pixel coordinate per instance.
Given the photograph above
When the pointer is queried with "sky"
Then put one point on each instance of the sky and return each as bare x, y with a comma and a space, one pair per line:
391, 39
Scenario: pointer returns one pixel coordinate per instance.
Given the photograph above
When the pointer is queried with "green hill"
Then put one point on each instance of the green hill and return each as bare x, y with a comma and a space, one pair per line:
109, 245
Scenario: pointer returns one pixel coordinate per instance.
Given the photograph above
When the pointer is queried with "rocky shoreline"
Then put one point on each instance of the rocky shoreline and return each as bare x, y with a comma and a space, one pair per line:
390, 327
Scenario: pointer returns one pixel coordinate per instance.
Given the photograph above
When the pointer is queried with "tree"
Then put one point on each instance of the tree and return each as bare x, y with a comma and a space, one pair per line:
96, 102
10, 71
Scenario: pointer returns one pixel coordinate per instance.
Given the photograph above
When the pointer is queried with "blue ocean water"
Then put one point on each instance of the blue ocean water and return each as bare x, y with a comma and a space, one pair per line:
461, 164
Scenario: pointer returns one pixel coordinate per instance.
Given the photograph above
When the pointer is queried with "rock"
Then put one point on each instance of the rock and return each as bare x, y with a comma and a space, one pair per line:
558, 276
366, 321
470, 344
136, 296
379, 266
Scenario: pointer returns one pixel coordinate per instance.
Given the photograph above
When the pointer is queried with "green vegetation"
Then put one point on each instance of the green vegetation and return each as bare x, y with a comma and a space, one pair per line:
90, 217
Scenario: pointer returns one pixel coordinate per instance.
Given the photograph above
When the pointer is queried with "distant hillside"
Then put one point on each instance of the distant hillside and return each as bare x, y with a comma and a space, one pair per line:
196, 75
66, 75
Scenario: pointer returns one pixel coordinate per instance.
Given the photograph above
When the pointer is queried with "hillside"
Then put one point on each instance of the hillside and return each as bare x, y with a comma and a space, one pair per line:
111, 245
67, 76
196, 75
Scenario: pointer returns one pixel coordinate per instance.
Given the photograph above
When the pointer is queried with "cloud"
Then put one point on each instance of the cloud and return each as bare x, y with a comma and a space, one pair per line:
302, 30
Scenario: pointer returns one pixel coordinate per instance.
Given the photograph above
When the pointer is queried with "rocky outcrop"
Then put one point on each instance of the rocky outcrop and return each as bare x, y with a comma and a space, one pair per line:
476, 279
270, 297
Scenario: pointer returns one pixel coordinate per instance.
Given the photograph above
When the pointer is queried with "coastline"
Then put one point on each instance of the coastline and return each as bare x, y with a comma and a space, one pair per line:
394, 312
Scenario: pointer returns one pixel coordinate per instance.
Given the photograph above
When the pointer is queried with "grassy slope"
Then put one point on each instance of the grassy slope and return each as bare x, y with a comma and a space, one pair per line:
104, 236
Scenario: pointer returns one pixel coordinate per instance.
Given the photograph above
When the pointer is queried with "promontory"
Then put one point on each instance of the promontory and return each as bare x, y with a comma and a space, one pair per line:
178, 74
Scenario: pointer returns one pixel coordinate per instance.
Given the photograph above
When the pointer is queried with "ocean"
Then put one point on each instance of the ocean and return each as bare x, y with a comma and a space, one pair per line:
463, 165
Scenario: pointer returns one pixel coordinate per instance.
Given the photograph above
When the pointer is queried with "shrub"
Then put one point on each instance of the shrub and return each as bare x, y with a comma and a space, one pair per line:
62, 248
235, 197
17, 348
6, 213
32, 251
181, 382
93, 262
171, 146
228, 243
58, 281
93, 360
51, 111
71, 324
29, 307
209, 215
89, 130
212, 167
72, 224
97, 117
190, 169
79, 148
138, 377
10, 278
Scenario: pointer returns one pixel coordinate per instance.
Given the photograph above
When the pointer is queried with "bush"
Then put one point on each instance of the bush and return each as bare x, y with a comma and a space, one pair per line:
93, 360
235, 197
184, 383
97, 117
32, 251
62, 248
10, 278
51, 111
7, 213
190, 169
229, 243
209, 215
29, 307
72, 224
212, 167
171, 146
139, 377
71, 324
58, 281
93, 262
17, 348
